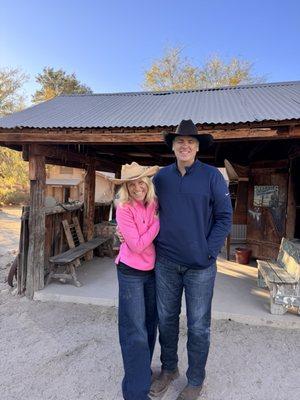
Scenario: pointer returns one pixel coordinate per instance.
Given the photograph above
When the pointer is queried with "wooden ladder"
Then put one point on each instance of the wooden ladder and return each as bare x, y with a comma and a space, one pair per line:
73, 234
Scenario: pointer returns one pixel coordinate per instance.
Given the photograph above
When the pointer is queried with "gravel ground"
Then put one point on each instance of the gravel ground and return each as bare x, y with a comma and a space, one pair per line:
57, 351
68, 351
10, 223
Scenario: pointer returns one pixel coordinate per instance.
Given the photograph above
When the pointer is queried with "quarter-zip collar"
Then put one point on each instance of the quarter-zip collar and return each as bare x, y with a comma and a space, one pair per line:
189, 169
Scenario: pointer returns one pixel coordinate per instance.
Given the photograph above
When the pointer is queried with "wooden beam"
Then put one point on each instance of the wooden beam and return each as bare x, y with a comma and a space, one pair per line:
128, 159
89, 206
110, 138
145, 149
99, 165
235, 134
54, 161
23, 251
98, 137
79, 137
36, 248
122, 158
25, 152
66, 156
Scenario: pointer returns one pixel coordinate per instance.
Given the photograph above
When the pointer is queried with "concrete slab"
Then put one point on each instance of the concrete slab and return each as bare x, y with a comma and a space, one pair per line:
99, 285
236, 295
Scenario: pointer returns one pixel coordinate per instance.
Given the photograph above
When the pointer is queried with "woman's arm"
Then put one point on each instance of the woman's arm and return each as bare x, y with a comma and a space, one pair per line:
136, 242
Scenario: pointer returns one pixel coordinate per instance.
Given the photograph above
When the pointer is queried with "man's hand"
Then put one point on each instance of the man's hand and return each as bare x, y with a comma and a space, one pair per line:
119, 235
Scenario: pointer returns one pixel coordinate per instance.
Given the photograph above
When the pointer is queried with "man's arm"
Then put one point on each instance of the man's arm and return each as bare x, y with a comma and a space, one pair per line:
222, 215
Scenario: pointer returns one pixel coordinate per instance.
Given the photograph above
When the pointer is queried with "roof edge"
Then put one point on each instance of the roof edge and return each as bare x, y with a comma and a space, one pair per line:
164, 92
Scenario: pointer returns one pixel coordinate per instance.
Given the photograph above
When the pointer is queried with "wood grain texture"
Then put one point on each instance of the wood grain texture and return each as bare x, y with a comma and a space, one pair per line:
132, 136
89, 206
282, 277
36, 247
73, 254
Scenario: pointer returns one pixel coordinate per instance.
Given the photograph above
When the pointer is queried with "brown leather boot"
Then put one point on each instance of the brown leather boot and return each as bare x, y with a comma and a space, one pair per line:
161, 384
190, 393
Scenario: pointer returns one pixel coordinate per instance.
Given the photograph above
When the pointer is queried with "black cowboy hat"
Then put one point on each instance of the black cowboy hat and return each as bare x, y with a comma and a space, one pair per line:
188, 128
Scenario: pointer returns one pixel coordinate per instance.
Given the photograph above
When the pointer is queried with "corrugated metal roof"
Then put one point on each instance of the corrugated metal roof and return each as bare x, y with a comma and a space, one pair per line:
240, 104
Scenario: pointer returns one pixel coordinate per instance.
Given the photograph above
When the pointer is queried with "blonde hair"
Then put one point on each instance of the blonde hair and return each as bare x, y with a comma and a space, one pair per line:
123, 196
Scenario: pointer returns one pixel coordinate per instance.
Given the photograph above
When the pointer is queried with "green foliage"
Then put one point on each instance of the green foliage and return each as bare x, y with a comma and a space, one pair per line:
56, 82
14, 186
13, 196
175, 72
11, 97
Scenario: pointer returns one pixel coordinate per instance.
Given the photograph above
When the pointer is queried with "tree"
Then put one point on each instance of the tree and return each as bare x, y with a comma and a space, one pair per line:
217, 73
11, 97
13, 170
11, 166
14, 186
171, 72
175, 72
56, 82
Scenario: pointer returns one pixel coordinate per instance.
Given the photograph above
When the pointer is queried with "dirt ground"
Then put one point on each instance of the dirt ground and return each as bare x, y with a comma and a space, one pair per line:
9, 239
9, 228
63, 351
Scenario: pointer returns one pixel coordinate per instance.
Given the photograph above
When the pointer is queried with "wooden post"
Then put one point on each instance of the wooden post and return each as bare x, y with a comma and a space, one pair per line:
291, 205
89, 206
118, 172
23, 252
35, 262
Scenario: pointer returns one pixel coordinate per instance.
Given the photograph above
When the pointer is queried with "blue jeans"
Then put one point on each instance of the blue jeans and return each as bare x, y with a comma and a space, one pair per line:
171, 279
137, 332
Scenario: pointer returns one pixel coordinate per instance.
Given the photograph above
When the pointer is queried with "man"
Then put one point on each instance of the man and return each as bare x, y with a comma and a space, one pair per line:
195, 218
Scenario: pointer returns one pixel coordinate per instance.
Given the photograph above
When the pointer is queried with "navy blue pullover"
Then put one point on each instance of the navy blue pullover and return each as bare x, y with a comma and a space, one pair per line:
195, 214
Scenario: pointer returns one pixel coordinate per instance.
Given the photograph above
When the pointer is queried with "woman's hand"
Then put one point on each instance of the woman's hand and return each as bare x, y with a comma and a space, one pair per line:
156, 212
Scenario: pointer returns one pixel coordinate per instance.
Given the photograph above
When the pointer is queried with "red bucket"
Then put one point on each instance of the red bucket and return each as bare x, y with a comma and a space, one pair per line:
242, 255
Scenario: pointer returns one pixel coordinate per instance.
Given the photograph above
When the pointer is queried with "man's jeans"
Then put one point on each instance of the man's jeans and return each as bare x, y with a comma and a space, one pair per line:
171, 278
137, 332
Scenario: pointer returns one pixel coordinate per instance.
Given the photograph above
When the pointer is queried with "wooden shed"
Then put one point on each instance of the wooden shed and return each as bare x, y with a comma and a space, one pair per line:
255, 127
65, 184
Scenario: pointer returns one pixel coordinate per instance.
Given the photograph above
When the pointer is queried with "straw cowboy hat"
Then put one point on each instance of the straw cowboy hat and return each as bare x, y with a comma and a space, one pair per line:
188, 128
134, 171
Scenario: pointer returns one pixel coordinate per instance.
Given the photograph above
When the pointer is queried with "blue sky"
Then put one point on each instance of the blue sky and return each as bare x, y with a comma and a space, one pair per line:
109, 44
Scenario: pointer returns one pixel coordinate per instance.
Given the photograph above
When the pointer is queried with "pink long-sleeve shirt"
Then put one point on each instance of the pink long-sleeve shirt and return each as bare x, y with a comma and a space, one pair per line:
139, 226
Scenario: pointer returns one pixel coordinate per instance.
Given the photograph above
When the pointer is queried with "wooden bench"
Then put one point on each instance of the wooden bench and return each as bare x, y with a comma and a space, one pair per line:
282, 276
71, 258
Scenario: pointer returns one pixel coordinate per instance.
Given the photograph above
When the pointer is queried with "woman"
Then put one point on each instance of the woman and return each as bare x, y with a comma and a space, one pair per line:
138, 223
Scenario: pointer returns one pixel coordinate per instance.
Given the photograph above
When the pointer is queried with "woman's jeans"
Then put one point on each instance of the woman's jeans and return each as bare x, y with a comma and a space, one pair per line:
171, 279
137, 332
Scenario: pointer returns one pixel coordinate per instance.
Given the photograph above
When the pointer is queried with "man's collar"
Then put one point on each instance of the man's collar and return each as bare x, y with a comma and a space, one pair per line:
189, 169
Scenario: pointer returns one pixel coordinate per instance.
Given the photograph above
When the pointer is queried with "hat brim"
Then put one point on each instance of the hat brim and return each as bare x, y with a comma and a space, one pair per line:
205, 139
147, 173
